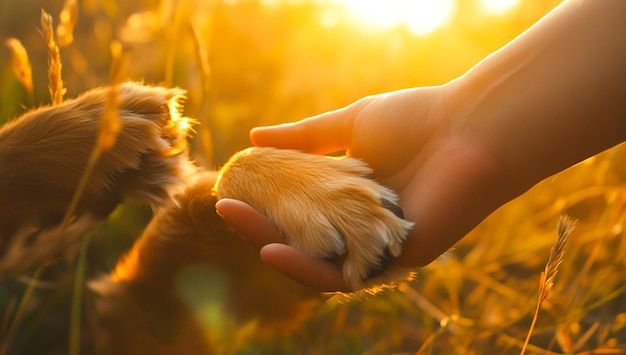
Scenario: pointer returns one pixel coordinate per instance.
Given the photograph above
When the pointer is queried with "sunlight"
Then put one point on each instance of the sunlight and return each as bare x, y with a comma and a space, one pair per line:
499, 7
420, 16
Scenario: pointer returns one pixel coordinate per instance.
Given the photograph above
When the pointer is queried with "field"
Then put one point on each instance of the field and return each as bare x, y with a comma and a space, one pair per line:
250, 63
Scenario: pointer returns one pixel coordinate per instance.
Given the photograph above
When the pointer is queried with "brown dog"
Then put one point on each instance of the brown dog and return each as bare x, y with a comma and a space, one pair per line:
155, 287
189, 281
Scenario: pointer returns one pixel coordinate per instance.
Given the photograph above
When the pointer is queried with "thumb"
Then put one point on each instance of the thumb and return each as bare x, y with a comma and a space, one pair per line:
325, 133
320, 275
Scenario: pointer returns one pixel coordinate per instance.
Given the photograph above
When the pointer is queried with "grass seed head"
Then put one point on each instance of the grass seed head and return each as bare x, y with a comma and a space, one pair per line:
68, 18
55, 81
21, 64
564, 228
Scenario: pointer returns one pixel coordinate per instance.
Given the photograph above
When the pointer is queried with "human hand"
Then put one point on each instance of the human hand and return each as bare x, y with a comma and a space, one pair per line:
456, 152
439, 172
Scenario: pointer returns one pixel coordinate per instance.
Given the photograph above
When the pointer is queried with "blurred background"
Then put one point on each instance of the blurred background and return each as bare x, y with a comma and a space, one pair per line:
246, 63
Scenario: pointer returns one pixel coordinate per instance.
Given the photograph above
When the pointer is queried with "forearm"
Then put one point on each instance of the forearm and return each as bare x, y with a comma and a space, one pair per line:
554, 96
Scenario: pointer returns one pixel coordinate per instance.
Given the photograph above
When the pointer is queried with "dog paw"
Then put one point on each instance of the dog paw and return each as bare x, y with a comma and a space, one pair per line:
45, 152
328, 208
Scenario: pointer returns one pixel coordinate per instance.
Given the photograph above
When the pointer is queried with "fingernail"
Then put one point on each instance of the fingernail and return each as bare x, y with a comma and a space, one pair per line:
217, 210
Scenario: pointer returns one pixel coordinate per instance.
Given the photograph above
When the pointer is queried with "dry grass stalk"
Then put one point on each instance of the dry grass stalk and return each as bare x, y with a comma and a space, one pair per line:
201, 51
21, 66
202, 57
19, 313
55, 81
109, 120
109, 125
57, 90
67, 21
564, 228
109, 129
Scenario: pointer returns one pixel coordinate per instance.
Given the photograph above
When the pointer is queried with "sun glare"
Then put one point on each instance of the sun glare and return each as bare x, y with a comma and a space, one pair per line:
499, 7
420, 16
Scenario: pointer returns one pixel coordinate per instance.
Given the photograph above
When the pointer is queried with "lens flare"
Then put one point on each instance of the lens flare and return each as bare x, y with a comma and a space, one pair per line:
420, 16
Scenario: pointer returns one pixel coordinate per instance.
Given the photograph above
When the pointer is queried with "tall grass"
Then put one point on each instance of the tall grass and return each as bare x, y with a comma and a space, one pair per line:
546, 281
13, 327
55, 78
109, 129
22, 67
477, 299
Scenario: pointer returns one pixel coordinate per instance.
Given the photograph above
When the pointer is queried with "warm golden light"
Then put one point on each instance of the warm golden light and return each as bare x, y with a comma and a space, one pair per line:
499, 7
420, 16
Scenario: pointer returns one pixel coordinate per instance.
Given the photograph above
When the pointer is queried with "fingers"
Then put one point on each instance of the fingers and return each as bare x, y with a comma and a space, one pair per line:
317, 274
249, 223
326, 133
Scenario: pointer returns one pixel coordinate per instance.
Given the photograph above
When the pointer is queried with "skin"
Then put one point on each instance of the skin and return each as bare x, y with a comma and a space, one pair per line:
454, 153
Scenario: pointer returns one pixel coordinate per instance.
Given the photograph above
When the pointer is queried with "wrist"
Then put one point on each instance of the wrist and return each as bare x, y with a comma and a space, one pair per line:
476, 123
552, 97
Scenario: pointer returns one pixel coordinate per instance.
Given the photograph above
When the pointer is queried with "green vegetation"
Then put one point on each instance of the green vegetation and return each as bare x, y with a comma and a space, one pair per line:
246, 64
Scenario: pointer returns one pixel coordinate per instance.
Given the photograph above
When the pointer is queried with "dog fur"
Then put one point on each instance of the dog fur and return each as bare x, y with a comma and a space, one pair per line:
43, 155
185, 244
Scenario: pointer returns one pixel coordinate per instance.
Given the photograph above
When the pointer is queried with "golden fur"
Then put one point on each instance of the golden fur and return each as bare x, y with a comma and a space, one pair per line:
326, 207
188, 278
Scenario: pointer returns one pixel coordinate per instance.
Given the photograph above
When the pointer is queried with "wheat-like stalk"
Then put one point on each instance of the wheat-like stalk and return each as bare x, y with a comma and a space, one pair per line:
19, 313
55, 81
77, 298
202, 57
21, 66
67, 21
57, 90
546, 281
109, 120
109, 128
564, 228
